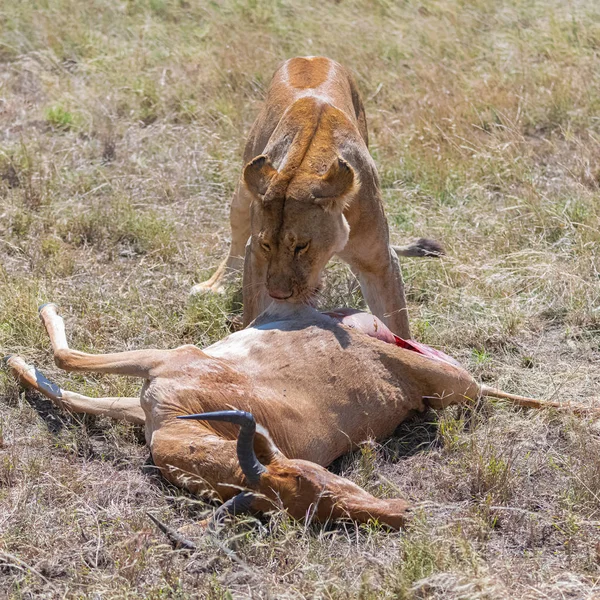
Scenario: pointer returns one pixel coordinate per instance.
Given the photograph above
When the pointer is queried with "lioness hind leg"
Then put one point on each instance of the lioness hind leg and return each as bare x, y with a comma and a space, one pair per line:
225, 274
232, 266
125, 409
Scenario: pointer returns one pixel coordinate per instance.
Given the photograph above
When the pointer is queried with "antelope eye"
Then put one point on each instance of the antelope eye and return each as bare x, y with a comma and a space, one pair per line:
301, 248
266, 247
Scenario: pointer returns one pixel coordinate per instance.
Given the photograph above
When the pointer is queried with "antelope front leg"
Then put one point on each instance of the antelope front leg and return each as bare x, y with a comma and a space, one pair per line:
125, 409
192, 457
136, 363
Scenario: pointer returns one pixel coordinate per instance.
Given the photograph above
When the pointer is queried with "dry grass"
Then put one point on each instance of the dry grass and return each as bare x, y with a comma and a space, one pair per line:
122, 125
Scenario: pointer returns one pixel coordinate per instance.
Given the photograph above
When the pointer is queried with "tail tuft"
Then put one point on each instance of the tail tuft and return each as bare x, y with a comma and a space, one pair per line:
422, 247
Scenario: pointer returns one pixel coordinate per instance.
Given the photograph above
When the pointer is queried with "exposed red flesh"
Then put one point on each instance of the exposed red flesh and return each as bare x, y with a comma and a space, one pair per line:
372, 326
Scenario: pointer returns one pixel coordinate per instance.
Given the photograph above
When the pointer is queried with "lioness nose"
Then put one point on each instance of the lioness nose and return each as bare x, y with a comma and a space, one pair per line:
279, 294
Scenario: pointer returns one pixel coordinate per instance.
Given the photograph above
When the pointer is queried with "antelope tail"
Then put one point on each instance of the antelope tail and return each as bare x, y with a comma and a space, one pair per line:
578, 409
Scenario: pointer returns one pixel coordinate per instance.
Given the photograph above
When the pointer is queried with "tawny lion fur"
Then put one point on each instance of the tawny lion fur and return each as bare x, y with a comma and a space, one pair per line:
309, 190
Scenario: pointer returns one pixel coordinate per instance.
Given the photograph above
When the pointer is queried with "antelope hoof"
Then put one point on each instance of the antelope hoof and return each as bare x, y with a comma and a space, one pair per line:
45, 306
14, 362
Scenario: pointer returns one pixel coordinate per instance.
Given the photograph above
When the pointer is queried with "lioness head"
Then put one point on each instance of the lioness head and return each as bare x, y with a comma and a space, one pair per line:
298, 223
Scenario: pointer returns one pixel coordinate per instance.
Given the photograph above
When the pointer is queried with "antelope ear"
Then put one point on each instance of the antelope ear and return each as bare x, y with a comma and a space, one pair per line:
264, 446
337, 182
258, 174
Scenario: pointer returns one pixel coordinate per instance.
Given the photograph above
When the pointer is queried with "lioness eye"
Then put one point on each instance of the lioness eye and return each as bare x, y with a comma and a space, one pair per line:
301, 248
265, 246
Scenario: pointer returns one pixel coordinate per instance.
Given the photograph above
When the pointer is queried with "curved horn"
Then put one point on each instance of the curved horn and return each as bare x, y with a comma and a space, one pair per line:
178, 542
251, 466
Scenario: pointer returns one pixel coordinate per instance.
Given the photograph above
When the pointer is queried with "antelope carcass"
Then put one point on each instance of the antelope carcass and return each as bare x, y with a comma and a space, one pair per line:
258, 416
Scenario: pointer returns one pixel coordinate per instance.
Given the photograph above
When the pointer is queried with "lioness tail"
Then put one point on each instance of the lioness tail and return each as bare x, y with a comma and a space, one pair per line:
422, 247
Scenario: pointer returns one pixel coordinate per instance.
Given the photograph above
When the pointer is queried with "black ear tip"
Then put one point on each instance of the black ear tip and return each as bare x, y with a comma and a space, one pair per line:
258, 161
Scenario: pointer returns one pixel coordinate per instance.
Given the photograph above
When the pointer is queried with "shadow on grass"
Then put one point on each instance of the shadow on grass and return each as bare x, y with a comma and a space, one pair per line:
416, 435
53, 417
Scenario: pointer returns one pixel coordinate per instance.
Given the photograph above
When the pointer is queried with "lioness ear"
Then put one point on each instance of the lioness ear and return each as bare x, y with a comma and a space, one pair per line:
258, 174
337, 182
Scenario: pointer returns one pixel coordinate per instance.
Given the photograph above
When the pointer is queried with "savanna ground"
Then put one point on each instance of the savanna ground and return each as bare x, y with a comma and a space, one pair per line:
122, 127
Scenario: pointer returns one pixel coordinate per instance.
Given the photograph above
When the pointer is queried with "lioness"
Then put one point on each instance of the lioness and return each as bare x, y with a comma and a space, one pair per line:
310, 190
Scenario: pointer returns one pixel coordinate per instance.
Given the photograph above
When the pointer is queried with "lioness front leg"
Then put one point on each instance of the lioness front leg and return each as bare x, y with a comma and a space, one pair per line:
228, 270
255, 295
382, 286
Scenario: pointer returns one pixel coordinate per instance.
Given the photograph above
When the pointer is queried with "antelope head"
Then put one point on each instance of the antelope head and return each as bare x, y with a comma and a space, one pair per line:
303, 488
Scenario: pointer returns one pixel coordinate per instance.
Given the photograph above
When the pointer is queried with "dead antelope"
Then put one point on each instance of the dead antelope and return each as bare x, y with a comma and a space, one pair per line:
258, 416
